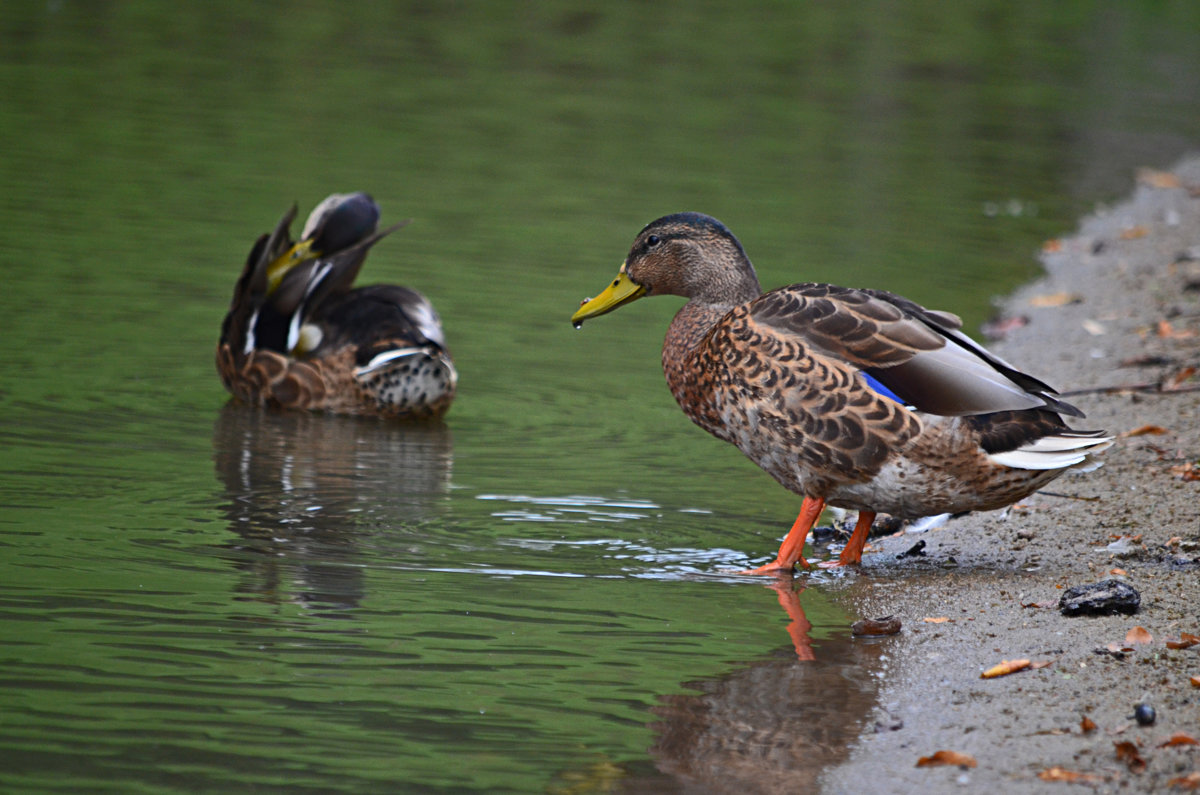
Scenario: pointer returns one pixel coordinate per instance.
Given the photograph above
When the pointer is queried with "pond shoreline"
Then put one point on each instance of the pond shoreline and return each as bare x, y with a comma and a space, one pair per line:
1119, 304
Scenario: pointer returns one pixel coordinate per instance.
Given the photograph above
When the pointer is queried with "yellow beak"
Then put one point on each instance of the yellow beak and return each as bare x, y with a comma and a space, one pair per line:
620, 292
289, 259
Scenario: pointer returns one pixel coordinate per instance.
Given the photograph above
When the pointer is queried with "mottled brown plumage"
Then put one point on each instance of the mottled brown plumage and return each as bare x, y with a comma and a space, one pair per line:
298, 335
853, 398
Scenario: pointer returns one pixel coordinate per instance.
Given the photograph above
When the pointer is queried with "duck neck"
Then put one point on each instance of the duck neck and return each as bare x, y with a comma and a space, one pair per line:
682, 354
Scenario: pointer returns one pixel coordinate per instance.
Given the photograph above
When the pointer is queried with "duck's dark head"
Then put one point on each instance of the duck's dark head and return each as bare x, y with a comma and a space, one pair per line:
687, 254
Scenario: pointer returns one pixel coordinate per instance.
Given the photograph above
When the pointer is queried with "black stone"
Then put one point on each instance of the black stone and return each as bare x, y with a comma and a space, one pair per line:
1100, 599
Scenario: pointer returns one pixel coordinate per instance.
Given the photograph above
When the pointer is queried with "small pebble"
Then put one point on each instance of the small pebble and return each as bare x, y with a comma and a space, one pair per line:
1100, 598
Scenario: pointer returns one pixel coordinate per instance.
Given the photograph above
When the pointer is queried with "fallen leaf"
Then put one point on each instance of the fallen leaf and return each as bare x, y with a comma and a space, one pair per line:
1128, 753
1051, 246
1061, 774
1186, 641
1195, 680
1189, 471
1134, 232
1175, 381
1087, 725
938, 620
1005, 668
1145, 430
1164, 330
1040, 664
1040, 604
1118, 572
1158, 179
1055, 299
1179, 738
947, 758
1138, 635
1190, 781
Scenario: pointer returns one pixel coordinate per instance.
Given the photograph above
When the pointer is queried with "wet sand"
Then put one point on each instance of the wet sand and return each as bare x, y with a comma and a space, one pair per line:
1095, 320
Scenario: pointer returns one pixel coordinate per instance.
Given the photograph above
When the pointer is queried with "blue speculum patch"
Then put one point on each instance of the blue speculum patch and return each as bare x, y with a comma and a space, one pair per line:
879, 387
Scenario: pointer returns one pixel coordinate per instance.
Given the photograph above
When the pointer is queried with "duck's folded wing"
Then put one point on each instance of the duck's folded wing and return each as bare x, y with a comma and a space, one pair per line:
918, 355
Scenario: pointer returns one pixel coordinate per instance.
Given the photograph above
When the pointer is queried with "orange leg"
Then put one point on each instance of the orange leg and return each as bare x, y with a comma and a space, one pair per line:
791, 550
852, 553
799, 626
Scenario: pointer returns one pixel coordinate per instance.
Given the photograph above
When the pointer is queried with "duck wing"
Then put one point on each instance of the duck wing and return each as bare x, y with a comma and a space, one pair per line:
919, 356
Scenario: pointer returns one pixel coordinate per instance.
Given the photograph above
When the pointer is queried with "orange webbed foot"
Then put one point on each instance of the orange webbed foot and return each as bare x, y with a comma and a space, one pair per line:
790, 551
852, 554
776, 567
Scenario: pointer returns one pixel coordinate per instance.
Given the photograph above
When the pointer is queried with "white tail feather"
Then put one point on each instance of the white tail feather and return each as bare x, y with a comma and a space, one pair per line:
1053, 452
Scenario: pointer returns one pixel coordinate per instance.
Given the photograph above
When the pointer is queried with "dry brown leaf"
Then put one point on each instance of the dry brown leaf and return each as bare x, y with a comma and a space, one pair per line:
1186, 641
1005, 668
1062, 774
1189, 471
1179, 738
1190, 781
1138, 635
1087, 725
1145, 430
1175, 382
1117, 572
1055, 299
1052, 246
1166, 331
1158, 179
947, 758
938, 620
1134, 232
1195, 680
1128, 753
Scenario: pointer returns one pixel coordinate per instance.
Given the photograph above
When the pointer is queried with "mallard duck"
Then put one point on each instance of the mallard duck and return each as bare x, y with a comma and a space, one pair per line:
857, 399
299, 336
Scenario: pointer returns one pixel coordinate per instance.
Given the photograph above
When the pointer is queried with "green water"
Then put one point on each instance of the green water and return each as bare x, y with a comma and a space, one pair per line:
197, 597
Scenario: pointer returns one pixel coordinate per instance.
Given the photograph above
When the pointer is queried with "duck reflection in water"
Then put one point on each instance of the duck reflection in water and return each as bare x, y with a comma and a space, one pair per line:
305, 492
774, 726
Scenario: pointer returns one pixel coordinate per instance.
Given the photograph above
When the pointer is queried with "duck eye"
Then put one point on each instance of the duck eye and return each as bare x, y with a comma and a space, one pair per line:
652, 241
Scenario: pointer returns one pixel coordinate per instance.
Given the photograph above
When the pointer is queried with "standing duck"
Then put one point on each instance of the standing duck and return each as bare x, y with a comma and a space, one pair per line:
852, 398
298, 335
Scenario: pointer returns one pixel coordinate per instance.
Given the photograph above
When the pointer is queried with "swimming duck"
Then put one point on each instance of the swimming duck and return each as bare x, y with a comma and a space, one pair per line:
852, 398
299, 336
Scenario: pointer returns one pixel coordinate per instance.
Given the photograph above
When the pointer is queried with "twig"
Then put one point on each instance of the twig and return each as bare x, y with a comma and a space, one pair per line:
1068, 496
1147, 387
